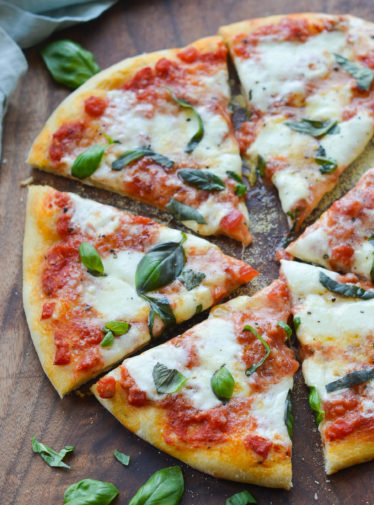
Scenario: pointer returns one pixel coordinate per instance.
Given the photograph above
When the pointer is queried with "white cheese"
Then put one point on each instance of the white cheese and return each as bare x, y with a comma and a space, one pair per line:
292, 186
328, 103
312, 247
93, 218
363, 259
318, 374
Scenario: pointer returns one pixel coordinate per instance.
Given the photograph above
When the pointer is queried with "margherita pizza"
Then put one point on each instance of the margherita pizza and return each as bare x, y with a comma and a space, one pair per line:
217, 397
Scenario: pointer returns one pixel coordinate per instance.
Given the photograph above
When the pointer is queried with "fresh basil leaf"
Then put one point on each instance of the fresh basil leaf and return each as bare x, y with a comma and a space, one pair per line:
167, 380
234, 176
107, 340
312, 127
161, 308
350, 380
254, 367
129, 156
191, 279
91, 259
344, 289
165, 487
198, 309
371, 240
90, 492
87, 162
315, 403
261, 165
50, 456
240, 188
242, 498
288, 415
286, 328
328, 165
121, 457
184, 212
118, 328
69, 63
364, 76
223, 384
201, 179
296, 322
198, 136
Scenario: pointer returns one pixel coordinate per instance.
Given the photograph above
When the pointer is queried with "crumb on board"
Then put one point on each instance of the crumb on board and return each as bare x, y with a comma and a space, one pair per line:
27, 181
80, 394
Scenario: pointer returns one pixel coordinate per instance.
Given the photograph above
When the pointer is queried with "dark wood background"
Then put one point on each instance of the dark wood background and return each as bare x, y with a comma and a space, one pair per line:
28, 403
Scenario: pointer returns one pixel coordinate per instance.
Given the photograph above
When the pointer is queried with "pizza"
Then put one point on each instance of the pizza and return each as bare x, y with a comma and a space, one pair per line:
218, 396
343, 237
100, 283
334, 322
157, 128
307, 79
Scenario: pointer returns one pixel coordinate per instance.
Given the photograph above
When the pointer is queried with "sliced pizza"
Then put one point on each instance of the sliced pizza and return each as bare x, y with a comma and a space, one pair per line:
100, 283
156, 127
307, 79
334, 322
343, 237
218, 396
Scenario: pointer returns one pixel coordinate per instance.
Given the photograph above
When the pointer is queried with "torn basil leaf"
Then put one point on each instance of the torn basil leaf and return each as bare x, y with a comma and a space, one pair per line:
364, 76
191, 279
261, 165
347, 290
167, 380
201, 179
286, 328
87, 162
288, 415
223, 384
242, 498
296, 322
121, 457
312, 127
350, 380
328, 165
184, 212
161, 308
165, 487
254, 367
315, 403
90, 492
240, 188
118, 328
198, 309
371, 239
91, 259
69, 63
134, 154
50, 456
108, 339
198, 136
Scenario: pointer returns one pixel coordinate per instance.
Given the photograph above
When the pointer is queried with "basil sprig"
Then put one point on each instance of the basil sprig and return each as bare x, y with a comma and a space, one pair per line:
223, 384
288, 415
350, 380
69, 63
184, 212
191, 279
261, 165
112, 328
328, 165
201, 179
91, 259
50, 456
254, 367
344, 289
364, 76
108, 339
198, 136
315, 403
121, 457
240, 188
313, 127
90, 492
134, 154
286, 328
242, 498
167, 380
88, 161
165, 487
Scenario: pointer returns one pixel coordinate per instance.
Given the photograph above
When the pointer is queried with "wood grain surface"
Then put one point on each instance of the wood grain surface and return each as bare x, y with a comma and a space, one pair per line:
28, 403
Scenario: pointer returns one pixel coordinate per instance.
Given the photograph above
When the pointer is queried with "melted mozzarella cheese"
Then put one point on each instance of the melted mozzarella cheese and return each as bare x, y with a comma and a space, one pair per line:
312, 247
328, 104
93, 218
292, 186
363, 259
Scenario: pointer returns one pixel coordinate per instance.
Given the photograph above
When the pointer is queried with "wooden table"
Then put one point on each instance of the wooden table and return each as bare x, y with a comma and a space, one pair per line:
28, 403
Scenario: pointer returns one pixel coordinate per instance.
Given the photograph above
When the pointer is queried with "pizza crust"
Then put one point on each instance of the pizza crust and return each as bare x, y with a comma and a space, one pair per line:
352, 450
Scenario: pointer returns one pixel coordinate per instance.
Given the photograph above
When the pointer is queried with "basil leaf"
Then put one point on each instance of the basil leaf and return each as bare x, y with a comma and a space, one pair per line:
50, 456
107, 340
312, 127
371, 240
198, 136
350, 380
160, 266
184, 212
87, 162
240, 188
344, 289
91, 259
161, 308
288, 415
364, 76
129, 156
121, 457
328, 165
296, 322
234, 176
191, 279
118, 328
261, 165
286, 328
167, 380
202, 179
69, 63
223, 384
90, 492
242, 498
254, 367
165, 487
315, 403
198, 309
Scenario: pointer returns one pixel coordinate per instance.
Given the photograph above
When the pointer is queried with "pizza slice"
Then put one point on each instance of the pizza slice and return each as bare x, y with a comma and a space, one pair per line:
334, 322
100, 283
218, 396
157, 128
307, 79
343, 237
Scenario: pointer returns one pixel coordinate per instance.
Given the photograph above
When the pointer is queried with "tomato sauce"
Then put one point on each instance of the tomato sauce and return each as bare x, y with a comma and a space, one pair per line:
95, 106
135, 396
259, 445
106, 387
67, 134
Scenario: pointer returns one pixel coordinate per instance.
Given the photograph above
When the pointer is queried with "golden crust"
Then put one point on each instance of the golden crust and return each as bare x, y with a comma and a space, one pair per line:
352, 450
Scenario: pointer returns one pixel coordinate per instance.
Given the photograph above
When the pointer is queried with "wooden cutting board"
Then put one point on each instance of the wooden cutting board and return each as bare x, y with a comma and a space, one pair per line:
28, 403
